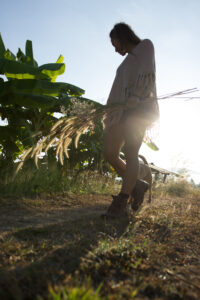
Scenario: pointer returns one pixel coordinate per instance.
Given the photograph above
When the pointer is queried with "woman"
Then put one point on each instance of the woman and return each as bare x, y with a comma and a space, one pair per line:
134, 90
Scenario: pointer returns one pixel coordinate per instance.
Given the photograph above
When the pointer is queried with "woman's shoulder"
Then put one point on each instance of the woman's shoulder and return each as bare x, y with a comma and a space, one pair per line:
144, 49
147, 42
144, 46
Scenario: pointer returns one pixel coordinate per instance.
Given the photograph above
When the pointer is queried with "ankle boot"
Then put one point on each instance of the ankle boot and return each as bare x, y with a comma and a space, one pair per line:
118, 208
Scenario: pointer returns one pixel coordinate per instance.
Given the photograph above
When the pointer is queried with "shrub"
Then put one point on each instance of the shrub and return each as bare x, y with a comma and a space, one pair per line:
177, 188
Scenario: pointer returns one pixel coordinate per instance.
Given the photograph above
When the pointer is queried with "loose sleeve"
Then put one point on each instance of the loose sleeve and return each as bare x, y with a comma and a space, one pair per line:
144, 84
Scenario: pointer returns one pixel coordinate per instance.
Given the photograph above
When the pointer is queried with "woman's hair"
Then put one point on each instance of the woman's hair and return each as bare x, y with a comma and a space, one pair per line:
124, 33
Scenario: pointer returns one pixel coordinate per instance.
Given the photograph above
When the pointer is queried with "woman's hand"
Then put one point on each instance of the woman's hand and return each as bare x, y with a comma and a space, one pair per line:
132, 102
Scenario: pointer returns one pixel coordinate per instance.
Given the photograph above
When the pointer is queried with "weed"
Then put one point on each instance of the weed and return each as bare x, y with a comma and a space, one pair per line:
46, 182
74, 293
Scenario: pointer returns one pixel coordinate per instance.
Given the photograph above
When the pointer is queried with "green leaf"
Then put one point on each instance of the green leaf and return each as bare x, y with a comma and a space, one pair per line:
29, 101
6, 131
41, 87
2, 47
52, 70
63, 102
10, 145
59, 61
14, 69
21, 56
151, 145
9, 55
29, 53
74, 91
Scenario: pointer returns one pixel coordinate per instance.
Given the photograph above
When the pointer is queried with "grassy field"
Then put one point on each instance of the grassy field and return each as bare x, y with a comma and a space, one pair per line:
60, 248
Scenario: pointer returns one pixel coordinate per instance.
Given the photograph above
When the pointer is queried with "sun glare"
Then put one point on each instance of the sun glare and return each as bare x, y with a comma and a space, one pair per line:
179, 123
178, 138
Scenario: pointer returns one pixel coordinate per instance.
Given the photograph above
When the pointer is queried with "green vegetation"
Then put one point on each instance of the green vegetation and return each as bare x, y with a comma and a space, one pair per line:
29, 99
51, 180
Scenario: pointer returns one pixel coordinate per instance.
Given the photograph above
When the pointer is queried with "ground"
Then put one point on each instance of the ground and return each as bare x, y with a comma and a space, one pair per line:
60, 246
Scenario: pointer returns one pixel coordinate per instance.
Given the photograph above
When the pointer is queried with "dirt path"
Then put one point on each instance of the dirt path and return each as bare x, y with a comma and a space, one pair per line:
21, 213
45, 242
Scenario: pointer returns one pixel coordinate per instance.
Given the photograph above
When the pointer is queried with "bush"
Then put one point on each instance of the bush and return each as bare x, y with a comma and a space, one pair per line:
177, 188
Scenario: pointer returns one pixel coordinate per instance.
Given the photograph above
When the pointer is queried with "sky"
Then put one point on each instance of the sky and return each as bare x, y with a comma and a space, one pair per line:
79, 30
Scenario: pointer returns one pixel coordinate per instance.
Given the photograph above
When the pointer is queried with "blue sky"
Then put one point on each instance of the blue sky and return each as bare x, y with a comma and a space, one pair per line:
79, 30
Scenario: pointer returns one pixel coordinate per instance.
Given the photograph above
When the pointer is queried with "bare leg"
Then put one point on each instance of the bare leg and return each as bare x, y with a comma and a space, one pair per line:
132, 166
128, 132
114, 139
115, 136
134, 135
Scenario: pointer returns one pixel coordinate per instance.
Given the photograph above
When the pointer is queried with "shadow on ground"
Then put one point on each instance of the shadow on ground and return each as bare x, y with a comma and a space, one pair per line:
50, 248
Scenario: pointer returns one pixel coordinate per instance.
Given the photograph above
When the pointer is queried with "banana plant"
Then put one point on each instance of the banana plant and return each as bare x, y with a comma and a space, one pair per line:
29, 97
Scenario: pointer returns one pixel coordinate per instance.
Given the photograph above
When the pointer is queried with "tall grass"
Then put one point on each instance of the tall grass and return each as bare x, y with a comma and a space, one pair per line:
55, 179
46, 181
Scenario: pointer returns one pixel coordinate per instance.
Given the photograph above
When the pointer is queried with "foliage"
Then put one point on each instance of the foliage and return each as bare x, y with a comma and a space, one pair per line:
178, 188
75, 293
28, 100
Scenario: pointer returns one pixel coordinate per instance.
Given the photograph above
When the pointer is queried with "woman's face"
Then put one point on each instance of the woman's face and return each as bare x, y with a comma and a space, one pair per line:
118, 48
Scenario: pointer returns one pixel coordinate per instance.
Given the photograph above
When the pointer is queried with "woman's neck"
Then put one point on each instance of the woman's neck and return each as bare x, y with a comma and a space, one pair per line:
130, 47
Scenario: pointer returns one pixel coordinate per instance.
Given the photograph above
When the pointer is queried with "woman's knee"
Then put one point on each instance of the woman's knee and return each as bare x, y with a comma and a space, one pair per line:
112, 144
110, 155
131, 152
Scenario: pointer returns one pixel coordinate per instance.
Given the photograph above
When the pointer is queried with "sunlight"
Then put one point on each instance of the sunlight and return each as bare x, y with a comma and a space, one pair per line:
178, 140
179, 123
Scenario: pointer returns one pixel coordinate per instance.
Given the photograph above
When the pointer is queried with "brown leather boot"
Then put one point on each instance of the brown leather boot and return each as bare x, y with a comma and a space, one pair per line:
118, 208
139, 190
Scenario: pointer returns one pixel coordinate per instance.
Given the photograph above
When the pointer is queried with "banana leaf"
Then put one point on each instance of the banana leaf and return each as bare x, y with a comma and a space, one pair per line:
52, 70
17, 70
29, 54
59, 61
73, 90
21, 56
41, 87
9, 55
2, 48
28, 101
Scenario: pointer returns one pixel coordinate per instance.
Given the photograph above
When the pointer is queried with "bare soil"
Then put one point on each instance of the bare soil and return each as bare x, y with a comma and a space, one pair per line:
49, 243
20, 213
